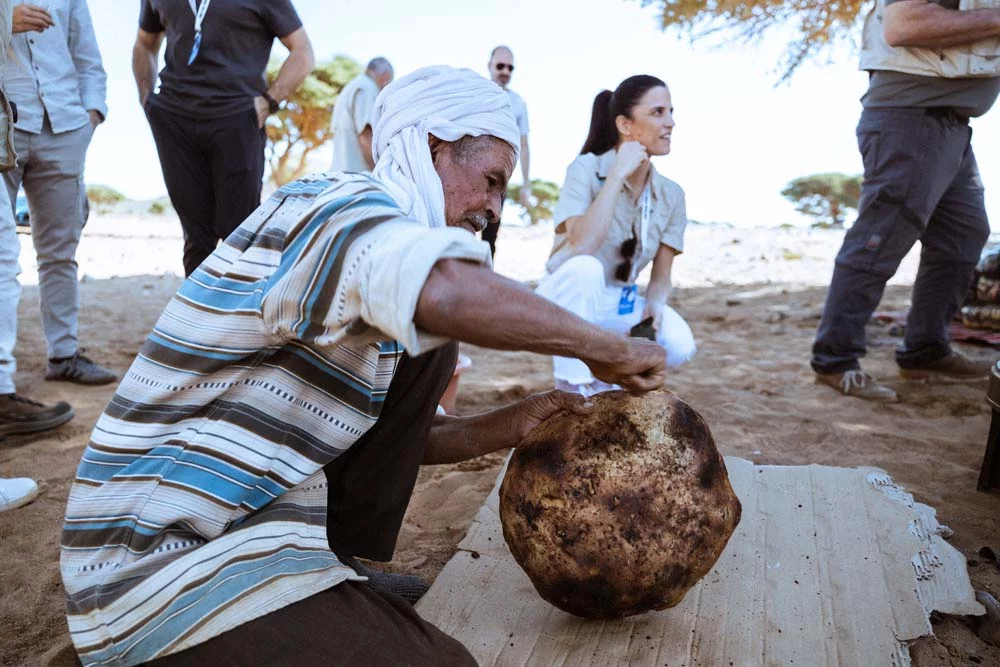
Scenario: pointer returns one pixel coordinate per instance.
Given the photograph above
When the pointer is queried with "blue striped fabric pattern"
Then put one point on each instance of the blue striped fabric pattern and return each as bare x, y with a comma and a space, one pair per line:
200, 501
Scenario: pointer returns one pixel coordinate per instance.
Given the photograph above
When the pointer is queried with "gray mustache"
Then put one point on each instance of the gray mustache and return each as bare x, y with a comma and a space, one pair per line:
479, 220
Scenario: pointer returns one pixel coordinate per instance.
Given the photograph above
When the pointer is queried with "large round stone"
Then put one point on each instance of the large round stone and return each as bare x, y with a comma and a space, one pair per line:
620, 511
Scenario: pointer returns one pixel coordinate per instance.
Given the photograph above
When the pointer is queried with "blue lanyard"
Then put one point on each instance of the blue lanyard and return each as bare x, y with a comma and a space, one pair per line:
199, 16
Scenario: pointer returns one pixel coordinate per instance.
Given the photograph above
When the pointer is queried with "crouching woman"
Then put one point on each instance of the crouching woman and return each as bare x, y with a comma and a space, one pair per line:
615, 215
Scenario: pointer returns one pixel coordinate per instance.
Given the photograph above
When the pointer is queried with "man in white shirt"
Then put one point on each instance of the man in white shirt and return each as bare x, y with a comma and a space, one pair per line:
501, 68
352, 129
53, 75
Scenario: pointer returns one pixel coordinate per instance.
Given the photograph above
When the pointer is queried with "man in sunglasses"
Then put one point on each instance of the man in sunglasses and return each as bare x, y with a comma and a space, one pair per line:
501, 68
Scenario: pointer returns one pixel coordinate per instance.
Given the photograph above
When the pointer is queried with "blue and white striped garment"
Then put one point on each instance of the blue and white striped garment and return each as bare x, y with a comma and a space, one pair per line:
200, 501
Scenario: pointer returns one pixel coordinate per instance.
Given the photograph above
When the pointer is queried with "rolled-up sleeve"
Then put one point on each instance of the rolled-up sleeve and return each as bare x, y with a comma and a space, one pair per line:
362, 277
87, 59
578, 191
673, 234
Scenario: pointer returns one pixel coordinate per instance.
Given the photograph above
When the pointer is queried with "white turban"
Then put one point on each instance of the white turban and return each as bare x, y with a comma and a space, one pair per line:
446, 102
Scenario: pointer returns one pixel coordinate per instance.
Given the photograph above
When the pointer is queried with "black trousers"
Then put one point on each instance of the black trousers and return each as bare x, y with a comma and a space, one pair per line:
921, 183
490, 236
213, 169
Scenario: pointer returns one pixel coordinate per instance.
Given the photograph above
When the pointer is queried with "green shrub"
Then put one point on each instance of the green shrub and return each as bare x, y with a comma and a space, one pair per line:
159, 206
102, 195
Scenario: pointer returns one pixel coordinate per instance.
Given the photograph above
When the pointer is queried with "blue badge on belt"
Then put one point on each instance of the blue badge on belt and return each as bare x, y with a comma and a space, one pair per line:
626, 302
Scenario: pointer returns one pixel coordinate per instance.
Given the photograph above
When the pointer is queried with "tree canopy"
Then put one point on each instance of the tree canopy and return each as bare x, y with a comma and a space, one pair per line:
303, 124
542, 199
826, 197
817, 23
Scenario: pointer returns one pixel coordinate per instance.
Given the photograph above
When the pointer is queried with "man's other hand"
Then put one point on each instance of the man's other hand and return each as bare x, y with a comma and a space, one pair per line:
533, 410
263, 110
31, 18
640, 366
95, 117
524, 198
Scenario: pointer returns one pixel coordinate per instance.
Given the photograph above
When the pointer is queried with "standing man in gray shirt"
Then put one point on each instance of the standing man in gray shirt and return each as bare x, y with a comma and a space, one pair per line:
54, 77
352, 117
501, 67
932, 68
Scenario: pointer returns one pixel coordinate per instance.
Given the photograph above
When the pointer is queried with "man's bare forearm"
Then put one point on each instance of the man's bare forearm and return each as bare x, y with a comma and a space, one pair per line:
454, 439
293, 72
525, 162
144, 64
471, 303
923, 24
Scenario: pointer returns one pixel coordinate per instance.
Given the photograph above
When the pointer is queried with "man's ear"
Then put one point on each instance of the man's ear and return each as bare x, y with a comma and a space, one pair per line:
436, 145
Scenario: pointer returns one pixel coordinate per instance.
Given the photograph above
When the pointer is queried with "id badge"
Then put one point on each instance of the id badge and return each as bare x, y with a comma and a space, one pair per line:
626, 302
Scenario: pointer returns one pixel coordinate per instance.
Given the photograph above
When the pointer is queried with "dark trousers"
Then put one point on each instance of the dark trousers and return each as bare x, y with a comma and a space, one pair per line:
213, 169
490, 236
349, 625
921, 184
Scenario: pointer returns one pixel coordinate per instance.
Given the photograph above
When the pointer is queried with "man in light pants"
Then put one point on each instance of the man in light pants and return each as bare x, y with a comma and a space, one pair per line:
55, 78
17, 414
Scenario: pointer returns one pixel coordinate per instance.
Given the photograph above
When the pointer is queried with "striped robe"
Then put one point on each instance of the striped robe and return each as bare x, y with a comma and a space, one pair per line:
200, 501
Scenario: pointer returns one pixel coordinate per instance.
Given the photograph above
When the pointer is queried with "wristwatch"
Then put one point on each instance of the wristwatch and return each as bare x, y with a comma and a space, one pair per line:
272, 104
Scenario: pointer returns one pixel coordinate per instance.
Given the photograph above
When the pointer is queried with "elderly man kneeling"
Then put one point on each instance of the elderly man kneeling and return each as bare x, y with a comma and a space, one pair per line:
271, 427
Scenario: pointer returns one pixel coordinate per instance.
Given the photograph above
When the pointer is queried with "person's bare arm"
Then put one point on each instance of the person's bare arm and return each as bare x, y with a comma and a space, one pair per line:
660, 286
454, 439
525, 171
145, 62
365, 141
923, 24
587, 232
470, 303
293, 72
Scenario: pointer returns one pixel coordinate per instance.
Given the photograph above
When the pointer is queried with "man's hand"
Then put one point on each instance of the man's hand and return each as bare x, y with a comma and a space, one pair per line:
525, 197
31, 18
532, 411
640, 366
263, 110
95, 118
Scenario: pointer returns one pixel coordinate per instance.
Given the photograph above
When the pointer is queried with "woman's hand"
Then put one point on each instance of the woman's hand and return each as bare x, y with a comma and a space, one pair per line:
631, 155
653, 309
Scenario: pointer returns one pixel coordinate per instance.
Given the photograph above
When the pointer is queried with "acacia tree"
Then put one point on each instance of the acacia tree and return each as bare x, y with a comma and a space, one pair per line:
303, 125
826, 197
818, 23
542, 199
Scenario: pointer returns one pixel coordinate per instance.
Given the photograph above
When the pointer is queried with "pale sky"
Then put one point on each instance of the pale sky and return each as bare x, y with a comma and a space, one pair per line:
737, 142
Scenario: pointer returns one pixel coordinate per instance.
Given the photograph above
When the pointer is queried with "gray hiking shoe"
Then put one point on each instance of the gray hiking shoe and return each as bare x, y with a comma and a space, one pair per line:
79, 369
954, 367
23, 415
859, 384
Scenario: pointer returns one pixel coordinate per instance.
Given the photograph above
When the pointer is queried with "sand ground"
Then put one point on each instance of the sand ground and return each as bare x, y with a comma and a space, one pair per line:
753, 298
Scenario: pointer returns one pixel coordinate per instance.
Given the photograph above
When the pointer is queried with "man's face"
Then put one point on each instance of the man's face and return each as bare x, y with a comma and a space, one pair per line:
383, 80
474, 174
501, 67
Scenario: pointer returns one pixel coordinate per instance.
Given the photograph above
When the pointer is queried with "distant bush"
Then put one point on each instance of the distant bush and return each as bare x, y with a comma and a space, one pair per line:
159, 206
103, 196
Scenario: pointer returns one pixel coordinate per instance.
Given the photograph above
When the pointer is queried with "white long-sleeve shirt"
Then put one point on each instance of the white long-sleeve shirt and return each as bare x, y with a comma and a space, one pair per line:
57, 72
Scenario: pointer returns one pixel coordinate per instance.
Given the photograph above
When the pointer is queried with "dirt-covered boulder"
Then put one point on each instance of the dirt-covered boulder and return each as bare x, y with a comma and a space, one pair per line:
619, 511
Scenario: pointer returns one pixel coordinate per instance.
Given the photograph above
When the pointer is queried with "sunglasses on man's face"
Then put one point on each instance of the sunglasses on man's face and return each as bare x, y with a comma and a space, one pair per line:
624, 270
504, 66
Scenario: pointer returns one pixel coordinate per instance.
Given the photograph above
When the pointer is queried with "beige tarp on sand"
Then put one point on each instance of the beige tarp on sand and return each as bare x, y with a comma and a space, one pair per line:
829, 566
